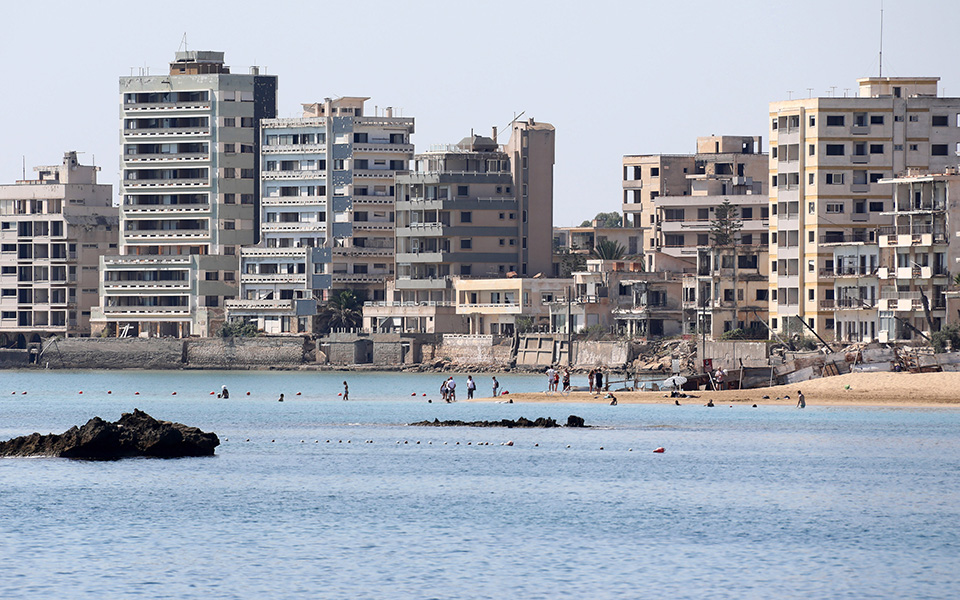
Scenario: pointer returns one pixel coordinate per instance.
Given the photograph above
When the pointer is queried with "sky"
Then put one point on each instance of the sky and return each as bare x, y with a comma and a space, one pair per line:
614, 78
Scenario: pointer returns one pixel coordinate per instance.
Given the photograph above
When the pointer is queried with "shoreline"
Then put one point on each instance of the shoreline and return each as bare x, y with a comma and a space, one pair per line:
882, 390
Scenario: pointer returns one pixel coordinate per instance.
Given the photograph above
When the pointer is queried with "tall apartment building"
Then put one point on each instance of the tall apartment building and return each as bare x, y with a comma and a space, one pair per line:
53, 230
722, 166
190, 197
327, 212
827, 158
473, 209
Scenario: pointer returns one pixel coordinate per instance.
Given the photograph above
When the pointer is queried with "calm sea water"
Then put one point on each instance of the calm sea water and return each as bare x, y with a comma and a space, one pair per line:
744, 503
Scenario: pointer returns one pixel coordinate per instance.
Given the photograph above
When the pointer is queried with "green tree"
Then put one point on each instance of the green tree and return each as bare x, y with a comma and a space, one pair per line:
726, 224
605, 219
570, 262
608, 250
342, 311
238, 328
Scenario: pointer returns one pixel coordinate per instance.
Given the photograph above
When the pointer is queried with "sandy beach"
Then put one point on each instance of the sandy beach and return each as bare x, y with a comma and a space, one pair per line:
853, 389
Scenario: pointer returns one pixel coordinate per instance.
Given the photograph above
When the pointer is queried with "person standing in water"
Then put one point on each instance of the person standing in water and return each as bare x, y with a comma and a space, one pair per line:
496, 387
224, 393
471, 386
346, 391
801, 401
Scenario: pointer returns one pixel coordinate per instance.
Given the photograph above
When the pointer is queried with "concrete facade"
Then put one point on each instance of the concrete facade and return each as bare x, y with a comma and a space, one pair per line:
825, 191
328, 186
53, 230
189, 189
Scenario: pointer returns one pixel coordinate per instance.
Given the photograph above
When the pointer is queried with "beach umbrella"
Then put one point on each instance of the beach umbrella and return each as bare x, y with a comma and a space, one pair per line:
673, 382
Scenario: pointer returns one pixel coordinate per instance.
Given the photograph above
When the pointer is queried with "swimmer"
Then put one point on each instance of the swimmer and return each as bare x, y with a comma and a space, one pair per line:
709, 403
676, 403
224, 393
801, 401
280, 399
346, 391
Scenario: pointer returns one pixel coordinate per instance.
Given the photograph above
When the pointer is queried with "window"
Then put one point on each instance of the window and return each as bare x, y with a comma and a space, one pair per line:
835, 120
811, 266
811, 295
938, 149
230, 148
212, 276
654, 171
811, 208
835, 150
513, 216
773, 321
762, 294
835, 207
229, 198
813, 121
466, 216
229, 225
876, 119
860, 149
773, 151
229, 122
875, 177
360, 138
463, 190
810, 236
246, 121
810, 178
939, 121
503, 242
811, 149
876, 206
773, 181
513, 242
466, 269
876, 148
466, 244
898, 147
913, 118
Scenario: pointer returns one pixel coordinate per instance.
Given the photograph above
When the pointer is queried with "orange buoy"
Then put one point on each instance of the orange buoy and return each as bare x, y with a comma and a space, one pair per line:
659, 450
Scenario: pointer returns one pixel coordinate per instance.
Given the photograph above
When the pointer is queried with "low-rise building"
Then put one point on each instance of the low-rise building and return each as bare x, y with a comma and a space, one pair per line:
506, 305
53, 230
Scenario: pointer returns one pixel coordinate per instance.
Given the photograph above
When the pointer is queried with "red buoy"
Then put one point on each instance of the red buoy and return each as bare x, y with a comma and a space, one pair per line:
136, 393
660, 450
298, 393
81, 391
173, 394
248, 393
109, 392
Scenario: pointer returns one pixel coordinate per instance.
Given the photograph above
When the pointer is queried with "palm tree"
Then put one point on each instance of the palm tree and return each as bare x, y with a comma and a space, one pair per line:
342, 311
608, 250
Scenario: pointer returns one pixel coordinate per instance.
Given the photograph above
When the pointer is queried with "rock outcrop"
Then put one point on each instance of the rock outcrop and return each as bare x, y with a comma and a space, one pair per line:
134, 434
543, 422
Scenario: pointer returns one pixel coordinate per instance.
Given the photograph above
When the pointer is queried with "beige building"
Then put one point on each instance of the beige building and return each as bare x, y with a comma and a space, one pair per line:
475, 209
327, 212
53, 230
583, 239
496, 306
828, 156
190, 198
723, 166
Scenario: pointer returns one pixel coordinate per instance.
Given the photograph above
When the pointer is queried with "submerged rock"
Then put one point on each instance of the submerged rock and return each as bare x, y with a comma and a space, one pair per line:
134, 434
543, 422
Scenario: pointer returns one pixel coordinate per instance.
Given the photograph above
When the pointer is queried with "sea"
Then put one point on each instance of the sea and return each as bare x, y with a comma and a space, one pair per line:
316, 497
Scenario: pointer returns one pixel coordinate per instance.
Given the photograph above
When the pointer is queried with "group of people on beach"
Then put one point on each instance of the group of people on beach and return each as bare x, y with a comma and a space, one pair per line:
448, 389
555, 377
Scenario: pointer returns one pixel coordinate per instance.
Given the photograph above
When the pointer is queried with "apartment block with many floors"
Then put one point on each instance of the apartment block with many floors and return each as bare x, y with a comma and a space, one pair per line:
190, 197
476, 209
724, 166
828, 156
327, 212
53, 230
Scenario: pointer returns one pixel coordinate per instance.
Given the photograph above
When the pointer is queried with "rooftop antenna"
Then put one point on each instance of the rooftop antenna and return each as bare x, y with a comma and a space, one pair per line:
809, 92
183, 43
833, 90
881, 38
789, 94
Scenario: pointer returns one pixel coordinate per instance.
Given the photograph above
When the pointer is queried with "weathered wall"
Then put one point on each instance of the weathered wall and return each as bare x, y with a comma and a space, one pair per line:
14, 359
728, 354
475, 350
227, 353
596, 354
114, 353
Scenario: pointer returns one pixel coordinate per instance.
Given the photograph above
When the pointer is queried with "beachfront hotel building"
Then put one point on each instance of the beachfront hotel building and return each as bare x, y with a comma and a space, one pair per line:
476, 209
327, 184
53, 230
827, 203
190, 196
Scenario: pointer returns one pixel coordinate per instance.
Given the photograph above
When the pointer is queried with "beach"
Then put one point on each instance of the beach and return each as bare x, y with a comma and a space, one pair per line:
852, 389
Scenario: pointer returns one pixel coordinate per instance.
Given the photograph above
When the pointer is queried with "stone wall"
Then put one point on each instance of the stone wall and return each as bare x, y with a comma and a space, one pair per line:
476, 350
114, 353
595, 354
14, 359
728, 354
232, 353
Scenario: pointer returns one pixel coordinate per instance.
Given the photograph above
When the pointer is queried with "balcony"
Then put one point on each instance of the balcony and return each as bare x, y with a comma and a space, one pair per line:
179, 132
140, 286
165, 107
359, 277
164, 183
271, 278
166, 158
357, 251
848, 272
159, 234
372, 226
166, 209
854, 237
383, 147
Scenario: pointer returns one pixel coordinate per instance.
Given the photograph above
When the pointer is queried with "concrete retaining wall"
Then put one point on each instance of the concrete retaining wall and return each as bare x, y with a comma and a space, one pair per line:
596, 354
728, 354
231, 353
475, 350
114, 353
14, 359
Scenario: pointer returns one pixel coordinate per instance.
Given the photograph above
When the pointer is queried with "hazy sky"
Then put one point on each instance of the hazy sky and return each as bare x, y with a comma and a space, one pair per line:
614, 78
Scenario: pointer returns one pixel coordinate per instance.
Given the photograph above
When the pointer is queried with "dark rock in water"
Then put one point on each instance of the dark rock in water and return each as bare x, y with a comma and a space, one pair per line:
543, 422
135, 434
575, 421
